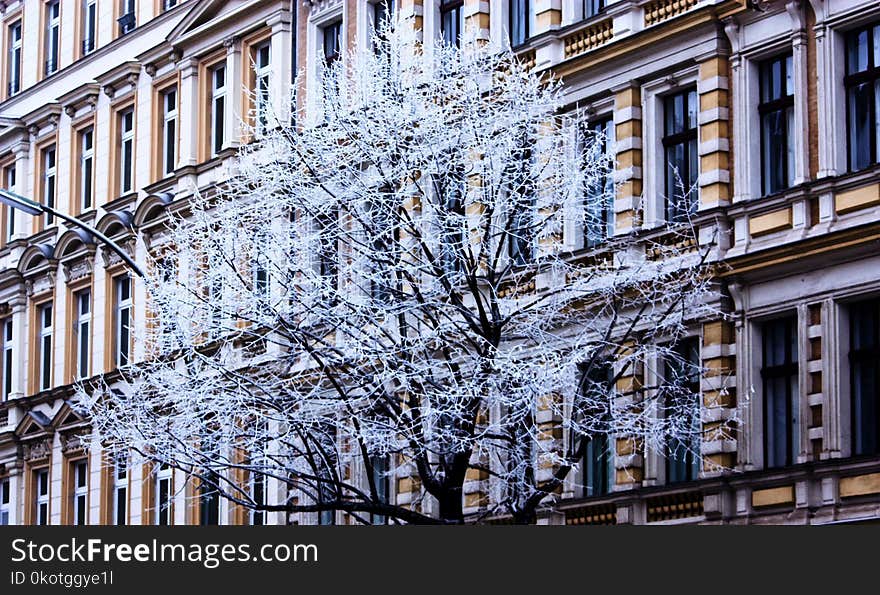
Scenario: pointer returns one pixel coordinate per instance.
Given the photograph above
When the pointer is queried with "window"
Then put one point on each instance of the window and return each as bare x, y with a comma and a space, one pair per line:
383, 10
209, 499
862, 83
167, 273
53, 36
8, 361
599, 193
262, 72
218, 107
14, 63
260, 266
82, 301
598, 465
168, 4
169, 130
79, 471
257, 486
777, 124
682, 374
90, 25
127, 20
680, 154
451, 21
41, 496
332, 42
864, 363
119, 468
521, 225
327, 252
5, 506
590, 8
49, 181
44, 350
9, 177
122, 319
379, 466
126, 151
453, 248
86, 168
162, 495
520, 17
780, 383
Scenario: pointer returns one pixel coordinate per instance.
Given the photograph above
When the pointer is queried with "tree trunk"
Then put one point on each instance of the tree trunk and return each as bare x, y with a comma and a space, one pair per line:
451, 508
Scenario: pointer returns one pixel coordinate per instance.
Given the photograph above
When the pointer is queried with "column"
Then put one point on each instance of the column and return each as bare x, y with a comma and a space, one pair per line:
20, 349
232, 132
718, 355
630, 450
801, 134
189, 111
281, 41
714, 130
476, 20
628, 133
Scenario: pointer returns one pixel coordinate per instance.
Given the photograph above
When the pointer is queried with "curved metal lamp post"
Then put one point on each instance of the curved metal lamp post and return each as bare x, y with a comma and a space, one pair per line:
36, 209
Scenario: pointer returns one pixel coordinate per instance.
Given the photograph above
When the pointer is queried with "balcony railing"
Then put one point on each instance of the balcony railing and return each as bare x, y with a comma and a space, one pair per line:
588, 38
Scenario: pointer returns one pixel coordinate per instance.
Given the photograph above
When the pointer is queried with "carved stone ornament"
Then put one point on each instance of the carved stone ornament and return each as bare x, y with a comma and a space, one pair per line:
37, 450
72, 442
38, 285
111, 258
78, 270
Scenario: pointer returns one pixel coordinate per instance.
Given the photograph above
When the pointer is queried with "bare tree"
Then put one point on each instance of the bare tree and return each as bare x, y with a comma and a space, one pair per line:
391, 290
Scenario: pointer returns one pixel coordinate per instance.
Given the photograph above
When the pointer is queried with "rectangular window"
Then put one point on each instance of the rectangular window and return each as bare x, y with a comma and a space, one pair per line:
53, 36
126, 151
163, 494
453, 251
260, 266
521, 225
5, 505
777, 124
218, 108
382, 11
328, 252
82, 301
90, 26
41, 496
682, 374
332, 34
862, 82
680, 154
519, 25
119, 469
599, 193
779, 375
209, 500
7, 354
44, 350
86, 168
79, 471
590, 8
14, 63
262, 72
864, 364
49, 181
451, 21
169, 130
127, 19
380, 469
122, 319
9, 178
598, 466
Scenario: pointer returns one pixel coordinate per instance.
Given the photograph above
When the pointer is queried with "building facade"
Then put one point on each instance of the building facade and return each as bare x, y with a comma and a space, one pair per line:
116, 111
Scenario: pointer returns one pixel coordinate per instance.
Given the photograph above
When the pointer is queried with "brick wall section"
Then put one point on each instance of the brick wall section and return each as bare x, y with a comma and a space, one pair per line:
718, 355
714, 141
628, 133
629, 462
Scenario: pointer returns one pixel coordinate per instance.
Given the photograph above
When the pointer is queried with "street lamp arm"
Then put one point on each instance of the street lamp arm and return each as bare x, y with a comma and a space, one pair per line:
31, 207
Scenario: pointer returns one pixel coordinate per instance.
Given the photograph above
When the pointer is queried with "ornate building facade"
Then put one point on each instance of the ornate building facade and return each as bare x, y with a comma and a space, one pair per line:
116, 111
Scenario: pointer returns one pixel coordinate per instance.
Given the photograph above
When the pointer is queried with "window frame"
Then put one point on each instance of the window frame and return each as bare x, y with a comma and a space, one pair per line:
850, 80
790, 370
81, 331
10, 175
88, 27
5, 500
119, 483
857, 358
454, 7
41, 501
599, 451
86, 183
48, 182
7, 352
79, 493
767, 107
681, 463
587, 239
262, 85
528, 22
51, 38
163, 508
672, 212
14, 53
125, 150
221, 95
45, 345
168, 132
122, 357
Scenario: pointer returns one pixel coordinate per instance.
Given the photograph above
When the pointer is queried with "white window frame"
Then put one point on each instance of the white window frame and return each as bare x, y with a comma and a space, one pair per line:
45, 334
10, 175
5, 500
169, 129
126, 151
218, 107
8, 364
53, 37
318, 19
80, 491
121, 305
42, 499
90, 26
82, 333
120, 484
164, 473
15, 53
87, 157
50, 179
262, 87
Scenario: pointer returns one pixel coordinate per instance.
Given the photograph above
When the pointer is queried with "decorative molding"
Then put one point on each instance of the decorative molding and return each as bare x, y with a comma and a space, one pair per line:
37, 450
78, 270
